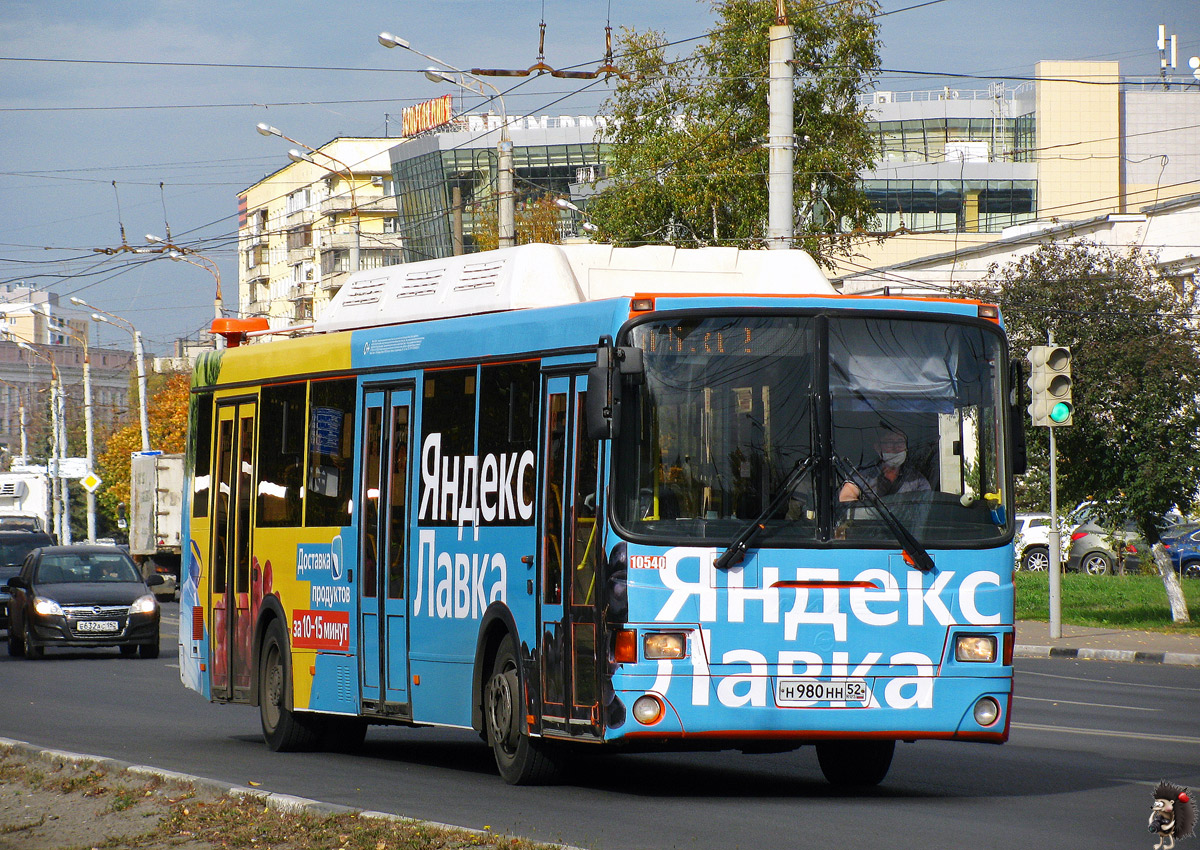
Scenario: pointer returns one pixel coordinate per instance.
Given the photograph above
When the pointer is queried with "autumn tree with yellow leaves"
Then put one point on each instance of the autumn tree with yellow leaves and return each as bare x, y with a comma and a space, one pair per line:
168, 411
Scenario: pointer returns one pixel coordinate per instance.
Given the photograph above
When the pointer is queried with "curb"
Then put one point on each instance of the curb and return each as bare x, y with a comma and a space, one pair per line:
283, 802
1186, 659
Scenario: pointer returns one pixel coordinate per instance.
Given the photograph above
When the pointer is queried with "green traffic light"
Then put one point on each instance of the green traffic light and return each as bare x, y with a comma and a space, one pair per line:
1061, 412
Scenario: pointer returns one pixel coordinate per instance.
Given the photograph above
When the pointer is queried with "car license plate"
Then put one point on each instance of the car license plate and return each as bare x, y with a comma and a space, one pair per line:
97, 626
812, 691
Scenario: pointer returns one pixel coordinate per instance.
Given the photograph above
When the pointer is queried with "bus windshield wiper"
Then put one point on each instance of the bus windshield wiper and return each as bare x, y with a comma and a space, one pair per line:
736, 551
914, 552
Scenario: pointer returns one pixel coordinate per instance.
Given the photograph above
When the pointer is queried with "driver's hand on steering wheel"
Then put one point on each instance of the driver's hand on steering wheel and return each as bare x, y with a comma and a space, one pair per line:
849, 492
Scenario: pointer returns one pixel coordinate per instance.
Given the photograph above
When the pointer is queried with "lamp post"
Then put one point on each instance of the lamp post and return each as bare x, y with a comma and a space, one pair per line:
297, 156
506, 202
59, 497
87, 429
21, 412
118, 322
178, 253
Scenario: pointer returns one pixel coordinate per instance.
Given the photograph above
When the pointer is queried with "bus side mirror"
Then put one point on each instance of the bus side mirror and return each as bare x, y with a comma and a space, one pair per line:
603, 403
1016, 418
599, 402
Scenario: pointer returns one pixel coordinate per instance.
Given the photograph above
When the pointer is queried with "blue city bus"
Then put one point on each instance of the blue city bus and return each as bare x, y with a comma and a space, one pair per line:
621, 499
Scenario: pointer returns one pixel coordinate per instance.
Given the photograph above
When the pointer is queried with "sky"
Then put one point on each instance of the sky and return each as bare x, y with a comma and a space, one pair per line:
161, 98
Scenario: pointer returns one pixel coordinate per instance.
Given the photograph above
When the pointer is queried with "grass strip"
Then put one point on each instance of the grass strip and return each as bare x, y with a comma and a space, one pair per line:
1123, 602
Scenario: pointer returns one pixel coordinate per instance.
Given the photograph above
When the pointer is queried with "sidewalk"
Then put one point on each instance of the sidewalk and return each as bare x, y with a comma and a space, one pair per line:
1034, 641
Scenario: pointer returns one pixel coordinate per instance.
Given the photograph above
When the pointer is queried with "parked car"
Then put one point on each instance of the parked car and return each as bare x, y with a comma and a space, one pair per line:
1032, 542
14, 547
82, 595
1183, 545
1100, 551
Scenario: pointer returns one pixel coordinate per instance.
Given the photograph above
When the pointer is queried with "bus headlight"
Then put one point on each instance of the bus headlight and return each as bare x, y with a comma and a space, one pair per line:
648, 710
664, 645
981, 648
986, 711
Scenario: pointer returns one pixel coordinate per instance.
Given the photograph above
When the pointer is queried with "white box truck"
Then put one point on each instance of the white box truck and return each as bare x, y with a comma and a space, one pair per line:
156, 515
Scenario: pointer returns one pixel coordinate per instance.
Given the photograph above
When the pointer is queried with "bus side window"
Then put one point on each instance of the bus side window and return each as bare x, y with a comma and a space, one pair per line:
202, 431
281, 455
330, 448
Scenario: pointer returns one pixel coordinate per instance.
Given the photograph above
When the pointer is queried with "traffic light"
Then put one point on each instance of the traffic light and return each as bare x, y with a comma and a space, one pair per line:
1050, 382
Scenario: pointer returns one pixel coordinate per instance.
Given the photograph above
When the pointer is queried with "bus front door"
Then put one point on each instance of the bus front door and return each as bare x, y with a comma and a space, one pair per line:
569, 555
383, 552
229, 590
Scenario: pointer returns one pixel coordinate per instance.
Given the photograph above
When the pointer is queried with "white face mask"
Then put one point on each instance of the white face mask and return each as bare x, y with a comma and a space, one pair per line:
893, 459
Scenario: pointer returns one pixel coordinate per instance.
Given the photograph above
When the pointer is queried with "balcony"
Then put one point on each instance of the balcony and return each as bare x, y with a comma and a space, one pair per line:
299, 255
337, 240
336, 205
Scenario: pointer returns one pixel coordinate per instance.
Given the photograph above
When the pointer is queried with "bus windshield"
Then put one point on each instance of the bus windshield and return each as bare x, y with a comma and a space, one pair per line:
730, 406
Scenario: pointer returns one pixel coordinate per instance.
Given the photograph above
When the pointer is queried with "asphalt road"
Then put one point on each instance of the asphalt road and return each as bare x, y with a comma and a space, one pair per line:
1089, 741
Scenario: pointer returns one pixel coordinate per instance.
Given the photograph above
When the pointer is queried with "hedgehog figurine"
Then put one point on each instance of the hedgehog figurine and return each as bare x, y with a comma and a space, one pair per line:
1174, 815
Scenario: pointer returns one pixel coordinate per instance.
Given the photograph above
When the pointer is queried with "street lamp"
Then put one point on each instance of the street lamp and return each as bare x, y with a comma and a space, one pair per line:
118, 322
564, 204
506, 204
178, 253
59, 497
297, 156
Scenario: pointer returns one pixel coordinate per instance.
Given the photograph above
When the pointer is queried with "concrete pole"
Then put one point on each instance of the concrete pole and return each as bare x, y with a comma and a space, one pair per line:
91, 447
64, 448
506, 213
24, 433
781, 206
141, 374
55, 454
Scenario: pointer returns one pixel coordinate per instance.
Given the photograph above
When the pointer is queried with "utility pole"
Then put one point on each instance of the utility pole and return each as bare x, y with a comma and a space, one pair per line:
781, 207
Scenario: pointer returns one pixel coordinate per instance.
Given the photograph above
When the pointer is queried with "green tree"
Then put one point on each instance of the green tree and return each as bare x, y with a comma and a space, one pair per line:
689, 159
1134, 445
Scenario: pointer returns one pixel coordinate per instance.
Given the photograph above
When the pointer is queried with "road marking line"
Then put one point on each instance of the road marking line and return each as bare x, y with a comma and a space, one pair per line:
1107, 733
1092, 704
1021, 673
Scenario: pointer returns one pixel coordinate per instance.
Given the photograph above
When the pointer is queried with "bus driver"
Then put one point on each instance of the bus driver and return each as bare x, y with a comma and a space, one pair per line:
892, 474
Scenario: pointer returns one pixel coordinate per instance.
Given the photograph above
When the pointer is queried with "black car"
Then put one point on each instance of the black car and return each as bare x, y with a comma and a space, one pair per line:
14, 547
84, 595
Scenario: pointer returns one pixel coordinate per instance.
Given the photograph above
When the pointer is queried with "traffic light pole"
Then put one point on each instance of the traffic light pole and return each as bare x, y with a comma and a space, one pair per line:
1055, 565
1050, 407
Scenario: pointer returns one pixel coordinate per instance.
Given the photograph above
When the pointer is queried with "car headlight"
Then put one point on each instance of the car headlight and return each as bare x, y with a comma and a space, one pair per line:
47, 607
144, 605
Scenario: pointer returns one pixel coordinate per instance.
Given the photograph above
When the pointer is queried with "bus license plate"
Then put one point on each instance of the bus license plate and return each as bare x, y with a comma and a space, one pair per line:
96, 626
811, 691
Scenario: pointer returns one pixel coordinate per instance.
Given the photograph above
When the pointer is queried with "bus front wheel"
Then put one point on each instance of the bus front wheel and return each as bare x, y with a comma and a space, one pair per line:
861, 763
284, 730
520, 759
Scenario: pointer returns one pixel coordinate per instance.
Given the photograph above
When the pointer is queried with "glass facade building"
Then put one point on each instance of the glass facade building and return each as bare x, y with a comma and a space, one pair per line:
444, 178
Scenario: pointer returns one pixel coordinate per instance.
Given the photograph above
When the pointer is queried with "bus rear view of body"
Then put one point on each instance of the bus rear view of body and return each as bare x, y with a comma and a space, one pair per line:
627, 499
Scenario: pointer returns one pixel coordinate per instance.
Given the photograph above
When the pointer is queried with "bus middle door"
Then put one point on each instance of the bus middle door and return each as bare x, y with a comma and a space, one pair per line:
383, 552
229, 592
569, 554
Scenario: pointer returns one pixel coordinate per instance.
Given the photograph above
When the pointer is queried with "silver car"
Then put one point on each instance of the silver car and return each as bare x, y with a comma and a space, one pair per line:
1098, 551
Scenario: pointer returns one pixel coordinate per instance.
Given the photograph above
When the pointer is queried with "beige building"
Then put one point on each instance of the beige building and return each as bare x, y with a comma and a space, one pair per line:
960, 170
1170, 231
304, 228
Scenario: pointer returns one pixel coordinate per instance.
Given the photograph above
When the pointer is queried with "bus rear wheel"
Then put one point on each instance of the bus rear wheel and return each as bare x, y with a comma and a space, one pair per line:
855, 763
284, 730
520, 759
